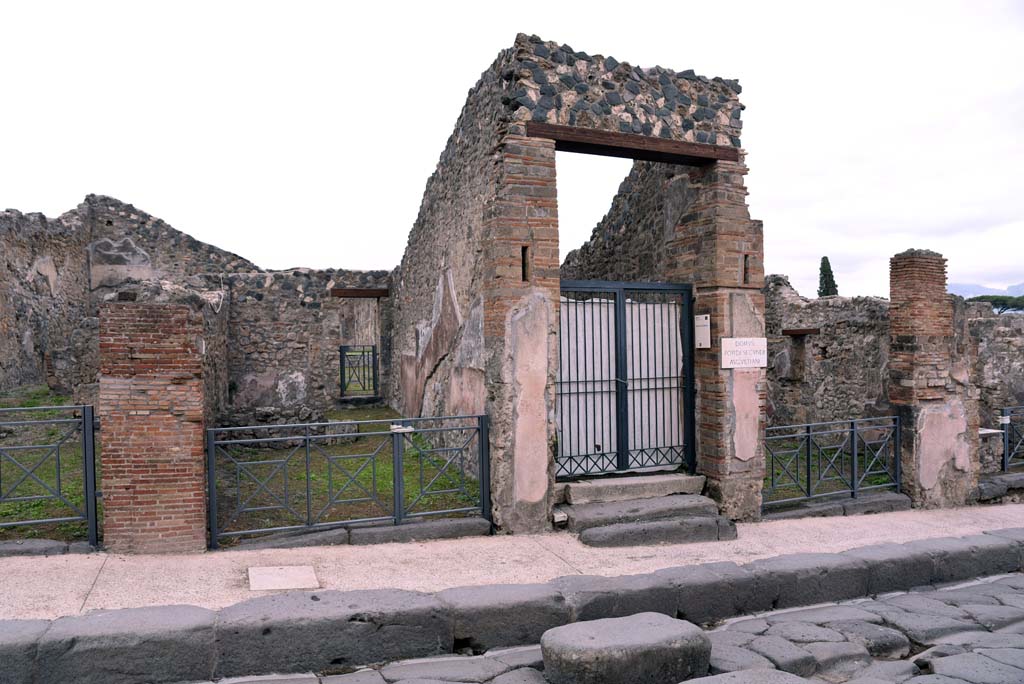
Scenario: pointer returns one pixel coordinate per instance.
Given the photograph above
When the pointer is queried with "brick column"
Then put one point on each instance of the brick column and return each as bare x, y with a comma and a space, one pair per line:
521, 290
719, 249
151, 417
940, 423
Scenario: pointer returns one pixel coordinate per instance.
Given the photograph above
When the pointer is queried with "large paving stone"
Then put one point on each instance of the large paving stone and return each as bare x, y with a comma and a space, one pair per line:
995, 617
317, 631
715, 591
729, 637
785, 655
685, 530
496, 615
32, 547
726, 658
606, 490
935, 679
307, 678
524, 675
454, 668
839, 659
647, 648
158, 644
18, 640
360, 677
894, 567
754, 677
805, 632
585, 516
881, 642
922, 603
591, 597
889, 671
981, 639
925, 629
824, 614
1013, 657
442, 528
808, 578
519, 656
977, 669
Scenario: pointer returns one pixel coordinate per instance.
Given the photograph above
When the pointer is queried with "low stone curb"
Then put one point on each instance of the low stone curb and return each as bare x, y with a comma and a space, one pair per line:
335, 631
42, 547
883, 502
421, 530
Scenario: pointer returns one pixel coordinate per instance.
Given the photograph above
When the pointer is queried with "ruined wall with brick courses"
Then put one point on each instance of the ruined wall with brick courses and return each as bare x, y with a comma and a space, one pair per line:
151, 407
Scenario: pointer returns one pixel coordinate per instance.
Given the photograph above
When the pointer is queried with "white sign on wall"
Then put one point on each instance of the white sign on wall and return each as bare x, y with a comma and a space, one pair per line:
702, 332
744, 352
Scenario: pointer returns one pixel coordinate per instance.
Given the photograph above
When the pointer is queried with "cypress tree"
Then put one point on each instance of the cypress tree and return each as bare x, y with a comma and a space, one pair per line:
826, 281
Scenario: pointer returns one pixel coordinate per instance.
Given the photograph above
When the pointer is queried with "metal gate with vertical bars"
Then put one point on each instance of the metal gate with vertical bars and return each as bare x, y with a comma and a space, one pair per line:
625, 388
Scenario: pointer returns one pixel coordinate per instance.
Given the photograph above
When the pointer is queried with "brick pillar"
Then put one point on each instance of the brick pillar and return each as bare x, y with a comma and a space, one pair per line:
521, 290
940, 422
719, 249
151, 418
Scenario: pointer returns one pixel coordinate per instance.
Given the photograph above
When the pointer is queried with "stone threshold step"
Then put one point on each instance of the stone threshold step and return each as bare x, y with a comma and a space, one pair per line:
884, 502
688, 530
584, 516
629, 488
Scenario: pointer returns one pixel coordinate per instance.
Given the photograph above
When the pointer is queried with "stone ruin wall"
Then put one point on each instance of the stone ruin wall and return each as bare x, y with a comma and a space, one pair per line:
270, 338
842, 372
437, 296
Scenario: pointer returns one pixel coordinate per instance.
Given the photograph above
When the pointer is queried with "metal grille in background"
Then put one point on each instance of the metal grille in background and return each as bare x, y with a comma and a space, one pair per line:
822, 459
624, 386
273, 478
48, 467
359, 370
1012, 424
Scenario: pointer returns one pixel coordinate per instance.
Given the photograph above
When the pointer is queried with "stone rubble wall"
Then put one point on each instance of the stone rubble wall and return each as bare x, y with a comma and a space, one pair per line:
272, 338
842, 371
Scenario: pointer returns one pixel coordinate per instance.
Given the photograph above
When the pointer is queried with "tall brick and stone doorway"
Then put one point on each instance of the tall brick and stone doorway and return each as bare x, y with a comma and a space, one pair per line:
625, 387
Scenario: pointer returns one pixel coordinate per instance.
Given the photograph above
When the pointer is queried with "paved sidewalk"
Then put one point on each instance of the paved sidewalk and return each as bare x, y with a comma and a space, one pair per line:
54, 586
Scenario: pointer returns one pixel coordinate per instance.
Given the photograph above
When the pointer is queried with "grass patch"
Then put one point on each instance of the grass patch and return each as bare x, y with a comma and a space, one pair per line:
31, 499
351, 475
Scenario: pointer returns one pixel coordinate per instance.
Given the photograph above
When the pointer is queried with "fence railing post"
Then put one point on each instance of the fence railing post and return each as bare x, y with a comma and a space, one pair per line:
89, 457
807, 447
897, 453
854, 454
1004, 424
398, 474
341, 379
485, 467
376, 374
309, 483
211, 486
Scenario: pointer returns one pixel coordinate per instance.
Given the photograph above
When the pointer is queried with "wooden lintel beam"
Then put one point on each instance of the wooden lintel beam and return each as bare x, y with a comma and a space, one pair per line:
798, 332
630, 145
360, 292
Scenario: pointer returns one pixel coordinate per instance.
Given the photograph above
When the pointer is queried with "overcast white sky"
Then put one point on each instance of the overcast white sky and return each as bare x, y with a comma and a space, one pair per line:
303, 133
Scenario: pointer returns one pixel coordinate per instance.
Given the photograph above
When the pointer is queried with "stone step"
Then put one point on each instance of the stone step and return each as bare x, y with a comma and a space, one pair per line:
607, 490
584, 516
687, 530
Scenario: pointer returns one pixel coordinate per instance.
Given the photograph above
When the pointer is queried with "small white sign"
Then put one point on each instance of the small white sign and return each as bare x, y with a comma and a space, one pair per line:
702, 331
744, 352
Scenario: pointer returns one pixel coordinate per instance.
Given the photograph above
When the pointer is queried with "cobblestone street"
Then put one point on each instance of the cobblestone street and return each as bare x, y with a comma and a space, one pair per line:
963, 634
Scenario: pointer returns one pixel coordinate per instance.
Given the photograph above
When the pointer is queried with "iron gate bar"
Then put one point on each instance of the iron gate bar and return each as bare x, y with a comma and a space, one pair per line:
627, 424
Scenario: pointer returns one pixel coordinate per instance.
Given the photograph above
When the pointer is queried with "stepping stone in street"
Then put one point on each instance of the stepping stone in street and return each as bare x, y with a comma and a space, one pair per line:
282, 577
646, 648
